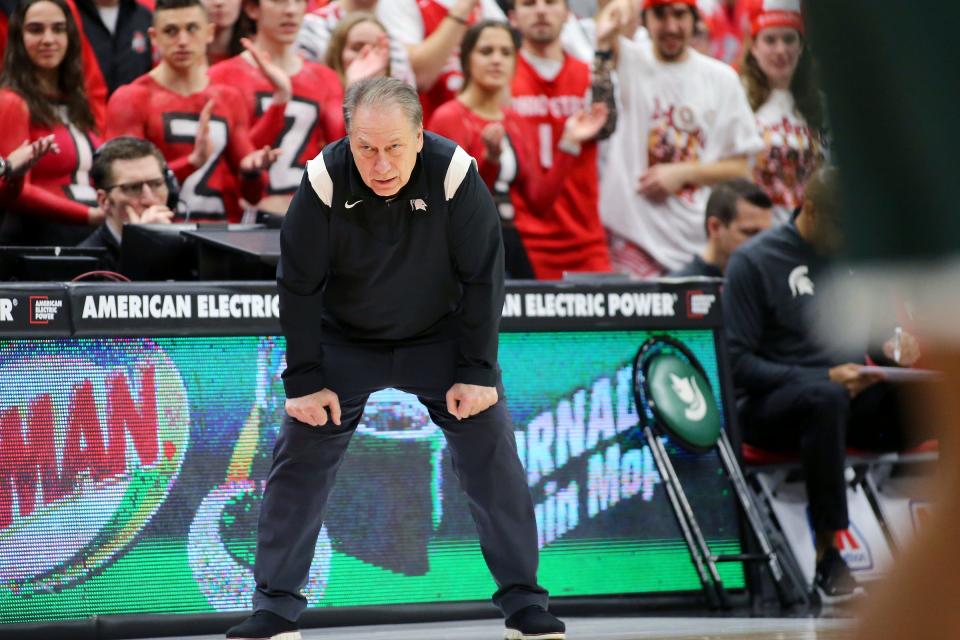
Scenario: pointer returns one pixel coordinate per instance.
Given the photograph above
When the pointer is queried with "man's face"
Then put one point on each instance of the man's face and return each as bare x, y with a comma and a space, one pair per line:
539, 21
137, 184
749, 221
181, 36
671, 29
385, 146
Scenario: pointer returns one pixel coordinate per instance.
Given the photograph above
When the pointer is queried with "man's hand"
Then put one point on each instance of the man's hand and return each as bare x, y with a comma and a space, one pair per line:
611, 20
909, 349
312, 409
851, 376
282, 85
465, 400
661, 181
157, 214
259, 160
202, 144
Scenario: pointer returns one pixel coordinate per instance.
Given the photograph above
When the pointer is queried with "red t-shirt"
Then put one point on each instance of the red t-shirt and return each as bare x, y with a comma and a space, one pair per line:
300, 129
58, 186
516, 170
570, 236
147, 109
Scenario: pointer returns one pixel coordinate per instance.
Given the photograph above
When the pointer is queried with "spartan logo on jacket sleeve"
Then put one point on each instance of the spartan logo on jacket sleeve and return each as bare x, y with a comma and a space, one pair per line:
800, 283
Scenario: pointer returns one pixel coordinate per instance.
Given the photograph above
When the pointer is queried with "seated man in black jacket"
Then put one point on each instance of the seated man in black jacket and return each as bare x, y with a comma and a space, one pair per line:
128, 174
796, 392
737, 210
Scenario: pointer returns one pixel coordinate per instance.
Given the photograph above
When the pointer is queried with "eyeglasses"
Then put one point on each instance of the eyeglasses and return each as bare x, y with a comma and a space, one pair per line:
133, 189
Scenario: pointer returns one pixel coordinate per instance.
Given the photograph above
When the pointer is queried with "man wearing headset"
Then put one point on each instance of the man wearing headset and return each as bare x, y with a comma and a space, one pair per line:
130, 177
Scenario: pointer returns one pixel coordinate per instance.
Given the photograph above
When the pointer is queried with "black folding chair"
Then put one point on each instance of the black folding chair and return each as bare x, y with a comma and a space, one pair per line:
674, 398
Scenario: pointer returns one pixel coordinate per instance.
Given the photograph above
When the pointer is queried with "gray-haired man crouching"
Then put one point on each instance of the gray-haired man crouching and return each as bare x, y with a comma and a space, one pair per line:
391, 275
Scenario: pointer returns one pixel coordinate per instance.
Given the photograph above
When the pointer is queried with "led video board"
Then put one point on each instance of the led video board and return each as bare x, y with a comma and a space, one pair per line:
131, 471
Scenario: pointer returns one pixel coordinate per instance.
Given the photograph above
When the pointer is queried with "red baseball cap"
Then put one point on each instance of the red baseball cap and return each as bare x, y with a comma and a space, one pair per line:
775, 13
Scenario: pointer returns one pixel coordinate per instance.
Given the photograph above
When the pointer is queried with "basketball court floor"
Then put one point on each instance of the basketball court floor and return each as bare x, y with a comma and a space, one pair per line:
633, 628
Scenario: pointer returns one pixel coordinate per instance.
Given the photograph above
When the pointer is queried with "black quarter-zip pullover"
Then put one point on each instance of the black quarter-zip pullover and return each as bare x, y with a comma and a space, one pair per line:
424, 265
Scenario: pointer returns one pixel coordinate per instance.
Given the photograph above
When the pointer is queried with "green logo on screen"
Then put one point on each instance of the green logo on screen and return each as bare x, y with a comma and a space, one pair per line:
684, 400
90, 454
689, 393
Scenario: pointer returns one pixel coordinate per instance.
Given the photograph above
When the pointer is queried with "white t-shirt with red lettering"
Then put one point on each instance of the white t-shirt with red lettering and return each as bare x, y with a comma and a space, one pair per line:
791, 153
694, 110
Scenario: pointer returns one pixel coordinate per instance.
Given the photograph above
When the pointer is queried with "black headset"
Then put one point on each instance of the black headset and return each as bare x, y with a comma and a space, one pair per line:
173, 185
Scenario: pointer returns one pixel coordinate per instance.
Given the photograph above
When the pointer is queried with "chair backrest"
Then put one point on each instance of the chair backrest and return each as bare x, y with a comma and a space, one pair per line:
672, 389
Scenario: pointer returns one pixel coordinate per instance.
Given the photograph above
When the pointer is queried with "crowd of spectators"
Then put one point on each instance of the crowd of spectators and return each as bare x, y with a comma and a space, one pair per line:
600, 126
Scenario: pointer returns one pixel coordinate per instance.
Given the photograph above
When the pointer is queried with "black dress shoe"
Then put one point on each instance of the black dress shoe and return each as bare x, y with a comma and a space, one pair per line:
265, 625
534, 623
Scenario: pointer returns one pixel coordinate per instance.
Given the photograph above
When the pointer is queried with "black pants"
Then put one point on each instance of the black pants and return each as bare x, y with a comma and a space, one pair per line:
482, 448
820, 421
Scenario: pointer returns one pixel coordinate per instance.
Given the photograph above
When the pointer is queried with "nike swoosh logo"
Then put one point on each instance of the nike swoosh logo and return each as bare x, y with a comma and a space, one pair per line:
351, 205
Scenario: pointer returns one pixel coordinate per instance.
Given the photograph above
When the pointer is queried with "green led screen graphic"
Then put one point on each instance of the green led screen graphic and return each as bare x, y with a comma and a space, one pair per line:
131, 472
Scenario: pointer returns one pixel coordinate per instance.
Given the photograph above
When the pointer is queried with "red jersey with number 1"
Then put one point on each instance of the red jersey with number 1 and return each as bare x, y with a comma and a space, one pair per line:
147, 109
569, 237
300, 129
58, 186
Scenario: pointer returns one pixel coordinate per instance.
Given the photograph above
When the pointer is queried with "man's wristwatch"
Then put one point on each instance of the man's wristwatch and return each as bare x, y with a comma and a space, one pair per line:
5, 168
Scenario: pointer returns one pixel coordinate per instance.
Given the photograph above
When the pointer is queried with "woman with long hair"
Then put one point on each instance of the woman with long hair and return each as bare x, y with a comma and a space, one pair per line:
359, 48
480, 122
780, 79
42, 94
